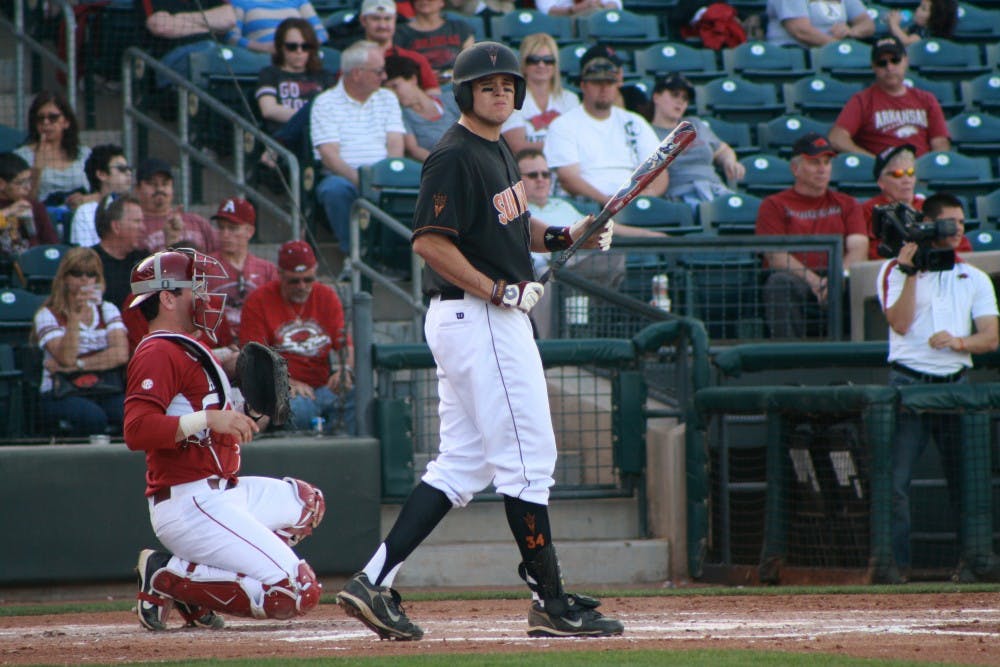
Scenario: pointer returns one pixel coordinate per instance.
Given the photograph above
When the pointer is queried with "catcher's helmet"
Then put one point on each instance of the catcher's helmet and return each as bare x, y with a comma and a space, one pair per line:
177, 269
485, 59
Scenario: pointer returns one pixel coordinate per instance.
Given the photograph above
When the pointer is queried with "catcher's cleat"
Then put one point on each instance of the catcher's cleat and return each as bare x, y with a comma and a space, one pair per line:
579, 618
379, 608
197, 616
152, 607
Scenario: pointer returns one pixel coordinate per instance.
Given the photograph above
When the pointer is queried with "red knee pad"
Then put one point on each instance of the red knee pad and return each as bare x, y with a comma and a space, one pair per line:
313, 509
285, 600
228, 597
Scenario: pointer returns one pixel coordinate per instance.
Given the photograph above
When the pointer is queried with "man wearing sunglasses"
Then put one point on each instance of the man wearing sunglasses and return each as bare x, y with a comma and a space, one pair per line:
889, 113
109, 172
303, 320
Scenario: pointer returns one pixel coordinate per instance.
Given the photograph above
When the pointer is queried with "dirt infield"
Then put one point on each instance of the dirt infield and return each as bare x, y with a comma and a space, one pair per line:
953, 627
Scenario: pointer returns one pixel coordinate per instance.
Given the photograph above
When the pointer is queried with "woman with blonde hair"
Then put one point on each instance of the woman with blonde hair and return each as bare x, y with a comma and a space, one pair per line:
546, 98
85, 348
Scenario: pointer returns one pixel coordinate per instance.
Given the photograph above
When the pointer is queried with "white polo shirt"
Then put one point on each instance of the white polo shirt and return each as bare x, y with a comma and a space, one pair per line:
945, 301
360, 128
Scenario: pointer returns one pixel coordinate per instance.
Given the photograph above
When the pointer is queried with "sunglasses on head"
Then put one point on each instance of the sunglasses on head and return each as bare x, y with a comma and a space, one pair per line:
895, 60
539, 60
48, 117
298, 46
537, 174
899, 173
80, 273
122, 168
301, 280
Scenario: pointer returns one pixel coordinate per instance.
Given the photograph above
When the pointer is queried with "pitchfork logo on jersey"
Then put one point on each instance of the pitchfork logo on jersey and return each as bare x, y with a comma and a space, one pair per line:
511, 204
493, 52
440, 201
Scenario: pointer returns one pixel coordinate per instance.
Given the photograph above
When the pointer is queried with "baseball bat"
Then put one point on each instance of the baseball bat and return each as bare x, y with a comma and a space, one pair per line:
672, 145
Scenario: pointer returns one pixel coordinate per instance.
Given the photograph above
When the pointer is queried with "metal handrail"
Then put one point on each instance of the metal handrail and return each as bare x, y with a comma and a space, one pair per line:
23, 39
185, 89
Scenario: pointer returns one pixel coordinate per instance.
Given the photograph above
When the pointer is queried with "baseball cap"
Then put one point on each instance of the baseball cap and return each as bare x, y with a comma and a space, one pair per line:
812, 144
153, 166
886, 156
888, 45
599, 63
237, 211
378, 7
296, 256
674, 81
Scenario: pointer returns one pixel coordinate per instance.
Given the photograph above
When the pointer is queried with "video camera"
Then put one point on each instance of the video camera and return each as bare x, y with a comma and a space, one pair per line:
896, 224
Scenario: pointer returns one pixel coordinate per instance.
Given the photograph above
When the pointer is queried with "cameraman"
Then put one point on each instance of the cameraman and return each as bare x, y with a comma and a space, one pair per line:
931, 341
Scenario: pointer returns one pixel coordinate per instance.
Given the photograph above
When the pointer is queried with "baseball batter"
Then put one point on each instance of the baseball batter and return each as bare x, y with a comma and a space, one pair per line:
231, 536
473, 229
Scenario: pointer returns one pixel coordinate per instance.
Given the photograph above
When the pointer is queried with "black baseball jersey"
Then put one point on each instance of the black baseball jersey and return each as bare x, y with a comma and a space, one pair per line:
471, 191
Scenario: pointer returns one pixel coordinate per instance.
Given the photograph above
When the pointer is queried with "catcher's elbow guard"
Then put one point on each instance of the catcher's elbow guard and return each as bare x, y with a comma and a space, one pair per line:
313, 509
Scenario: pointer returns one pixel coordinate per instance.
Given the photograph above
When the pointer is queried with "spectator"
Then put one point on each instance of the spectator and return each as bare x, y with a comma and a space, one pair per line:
378, 18
575, 7
606, 268
236, 221
931, 18
258, 20
895, 171
798, 281
304, 321
108, 172
889, 112
24, 222
354, 124
546, 98
809, 24
693, 178
178, 28
485, 9
592, 168
120, 230
438, 38
54, 153
295, 75
167, 225
937, 321
79, 331
425, 117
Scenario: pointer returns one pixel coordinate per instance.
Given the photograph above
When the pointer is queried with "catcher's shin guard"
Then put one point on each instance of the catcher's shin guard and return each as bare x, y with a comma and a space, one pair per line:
282, 600
313, 509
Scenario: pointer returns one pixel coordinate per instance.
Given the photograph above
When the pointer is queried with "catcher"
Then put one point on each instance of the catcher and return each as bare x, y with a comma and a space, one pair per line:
230, 536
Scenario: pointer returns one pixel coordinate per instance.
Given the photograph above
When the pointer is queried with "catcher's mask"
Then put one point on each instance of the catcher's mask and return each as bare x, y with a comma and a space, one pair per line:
176, 269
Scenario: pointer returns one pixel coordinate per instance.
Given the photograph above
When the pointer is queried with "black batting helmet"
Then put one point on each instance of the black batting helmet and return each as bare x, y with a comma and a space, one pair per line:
485, 59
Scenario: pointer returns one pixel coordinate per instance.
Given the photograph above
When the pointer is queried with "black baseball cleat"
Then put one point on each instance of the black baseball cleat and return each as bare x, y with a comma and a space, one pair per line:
152, 607
578, 617
379, 608
199, 617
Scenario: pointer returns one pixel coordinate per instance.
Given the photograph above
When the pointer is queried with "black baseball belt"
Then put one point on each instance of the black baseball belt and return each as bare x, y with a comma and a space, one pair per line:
926, 377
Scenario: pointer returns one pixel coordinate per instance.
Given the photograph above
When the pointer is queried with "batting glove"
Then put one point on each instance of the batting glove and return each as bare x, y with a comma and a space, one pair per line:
601, 239
523, 295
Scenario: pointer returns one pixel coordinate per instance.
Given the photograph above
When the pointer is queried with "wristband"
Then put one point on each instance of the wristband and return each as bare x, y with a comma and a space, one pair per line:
907, 270
496, 296
193, 422
961, 345
557, 238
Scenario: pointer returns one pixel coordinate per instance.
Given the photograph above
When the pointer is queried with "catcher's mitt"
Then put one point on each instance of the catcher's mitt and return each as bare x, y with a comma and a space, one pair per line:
263, 376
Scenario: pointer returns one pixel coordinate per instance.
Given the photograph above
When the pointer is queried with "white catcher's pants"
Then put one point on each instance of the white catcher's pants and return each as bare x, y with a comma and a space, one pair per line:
494, 404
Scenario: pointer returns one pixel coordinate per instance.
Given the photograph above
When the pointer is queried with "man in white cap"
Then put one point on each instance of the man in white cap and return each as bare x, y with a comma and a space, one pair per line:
378, 18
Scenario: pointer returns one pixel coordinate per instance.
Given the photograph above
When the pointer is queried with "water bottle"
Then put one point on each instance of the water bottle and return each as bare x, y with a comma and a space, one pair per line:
317, 424
661, 292
27, 220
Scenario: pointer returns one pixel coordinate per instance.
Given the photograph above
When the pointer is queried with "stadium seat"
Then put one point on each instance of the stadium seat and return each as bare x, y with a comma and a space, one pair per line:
846, 60
736, 134
569, 59
720, 289
819, 96
738, 99
985, 239
988, 209
659, 214
734, 213
942, 58
976, 134
512, 27
851, 173
17, 314
697, 64
779, 135
765, 62
619, 27
330, 58
10, 138
953, 172
229, 74
942, 90
878, 13
766, 174
983, 93
36, 267
391, 184
977, 25
475, 22
11, 397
